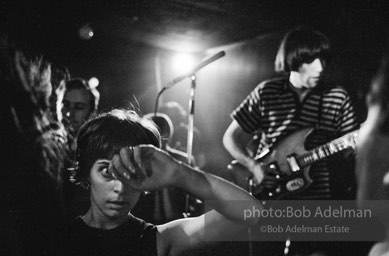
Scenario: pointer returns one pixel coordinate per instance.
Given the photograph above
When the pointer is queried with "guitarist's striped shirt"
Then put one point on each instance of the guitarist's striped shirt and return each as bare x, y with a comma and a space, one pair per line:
275, 109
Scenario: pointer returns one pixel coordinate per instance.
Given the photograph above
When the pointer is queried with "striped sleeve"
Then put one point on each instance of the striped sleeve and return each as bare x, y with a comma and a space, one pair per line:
248, 113
347, 121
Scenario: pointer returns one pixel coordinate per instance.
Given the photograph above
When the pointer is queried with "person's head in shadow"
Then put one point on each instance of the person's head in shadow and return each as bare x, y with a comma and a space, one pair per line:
372, 162
77, 102
31, 158
175, 112
165, 127
373, 139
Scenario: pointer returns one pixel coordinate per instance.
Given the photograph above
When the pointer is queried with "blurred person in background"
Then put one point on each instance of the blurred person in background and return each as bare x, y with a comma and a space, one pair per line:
77, 101
32, 156
372, 162
179, 118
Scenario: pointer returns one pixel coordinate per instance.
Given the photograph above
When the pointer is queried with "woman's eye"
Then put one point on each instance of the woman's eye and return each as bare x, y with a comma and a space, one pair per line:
106, 173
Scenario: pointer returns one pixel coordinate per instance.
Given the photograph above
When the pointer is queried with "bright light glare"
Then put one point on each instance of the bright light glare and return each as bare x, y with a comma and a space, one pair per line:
183, 63
93, 82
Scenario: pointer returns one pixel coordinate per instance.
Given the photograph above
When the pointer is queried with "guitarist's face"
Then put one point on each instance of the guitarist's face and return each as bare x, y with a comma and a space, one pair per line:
310, 73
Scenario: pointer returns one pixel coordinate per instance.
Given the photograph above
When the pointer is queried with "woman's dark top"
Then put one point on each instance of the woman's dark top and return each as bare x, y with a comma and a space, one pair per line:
134, 237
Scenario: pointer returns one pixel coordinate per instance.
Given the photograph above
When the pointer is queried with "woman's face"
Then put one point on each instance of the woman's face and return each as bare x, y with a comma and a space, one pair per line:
110, 197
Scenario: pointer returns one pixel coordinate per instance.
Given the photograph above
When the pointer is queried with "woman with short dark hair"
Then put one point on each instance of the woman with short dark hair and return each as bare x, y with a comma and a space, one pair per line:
118, 159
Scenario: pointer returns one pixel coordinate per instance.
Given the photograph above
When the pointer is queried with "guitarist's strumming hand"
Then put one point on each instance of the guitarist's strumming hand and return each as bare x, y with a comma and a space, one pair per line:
264, 175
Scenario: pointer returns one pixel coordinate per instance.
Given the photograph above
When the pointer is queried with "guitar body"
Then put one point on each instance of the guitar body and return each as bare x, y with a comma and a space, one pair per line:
290, 182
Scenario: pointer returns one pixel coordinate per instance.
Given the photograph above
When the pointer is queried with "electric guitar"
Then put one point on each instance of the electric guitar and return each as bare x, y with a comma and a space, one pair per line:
290, 162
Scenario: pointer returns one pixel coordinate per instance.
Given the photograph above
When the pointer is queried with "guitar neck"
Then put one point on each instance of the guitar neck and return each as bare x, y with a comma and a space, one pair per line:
328, 149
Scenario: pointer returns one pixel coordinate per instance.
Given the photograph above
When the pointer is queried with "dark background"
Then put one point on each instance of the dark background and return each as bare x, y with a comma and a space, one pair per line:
129, 36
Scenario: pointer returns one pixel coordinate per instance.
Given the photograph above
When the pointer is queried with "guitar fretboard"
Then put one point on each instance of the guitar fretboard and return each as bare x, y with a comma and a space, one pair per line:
326, 150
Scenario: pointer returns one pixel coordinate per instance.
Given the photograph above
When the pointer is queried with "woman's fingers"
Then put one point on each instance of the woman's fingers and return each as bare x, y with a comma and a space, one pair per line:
137, 164
143, 156
126, 155
112, 170
124, 167
138, 156
119, 169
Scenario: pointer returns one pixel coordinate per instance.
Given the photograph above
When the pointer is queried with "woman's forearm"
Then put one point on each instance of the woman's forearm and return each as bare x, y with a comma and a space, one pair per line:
225, 197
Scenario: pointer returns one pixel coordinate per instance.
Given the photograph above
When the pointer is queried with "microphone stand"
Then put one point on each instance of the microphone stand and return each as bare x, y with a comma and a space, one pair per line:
189, 144
191, 110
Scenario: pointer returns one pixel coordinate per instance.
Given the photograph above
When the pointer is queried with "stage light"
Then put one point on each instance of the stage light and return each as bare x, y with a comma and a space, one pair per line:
93, 82
183, 63
86, 32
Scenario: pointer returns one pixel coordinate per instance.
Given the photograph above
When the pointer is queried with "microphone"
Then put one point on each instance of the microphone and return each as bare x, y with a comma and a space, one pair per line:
208, 61
195, 69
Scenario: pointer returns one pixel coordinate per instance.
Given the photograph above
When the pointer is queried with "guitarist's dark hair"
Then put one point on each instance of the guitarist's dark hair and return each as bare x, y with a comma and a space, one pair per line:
301, 45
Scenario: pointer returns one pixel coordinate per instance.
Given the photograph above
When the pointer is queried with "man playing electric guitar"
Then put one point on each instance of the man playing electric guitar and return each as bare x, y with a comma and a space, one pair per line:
282, 106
